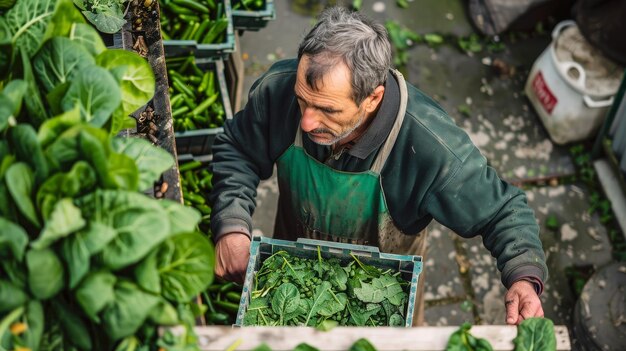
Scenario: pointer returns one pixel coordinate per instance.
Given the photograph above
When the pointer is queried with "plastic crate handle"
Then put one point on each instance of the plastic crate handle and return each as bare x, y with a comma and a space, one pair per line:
303, 242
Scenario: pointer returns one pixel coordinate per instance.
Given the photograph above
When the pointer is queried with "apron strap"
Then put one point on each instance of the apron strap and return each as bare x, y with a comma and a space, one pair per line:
381, 158
298, 141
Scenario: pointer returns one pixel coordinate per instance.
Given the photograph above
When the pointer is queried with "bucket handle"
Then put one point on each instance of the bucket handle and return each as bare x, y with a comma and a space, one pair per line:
597, 104
560, 26
582, 76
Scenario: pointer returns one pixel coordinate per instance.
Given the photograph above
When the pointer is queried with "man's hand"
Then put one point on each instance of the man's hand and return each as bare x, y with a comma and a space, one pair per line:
231, 255
522, 302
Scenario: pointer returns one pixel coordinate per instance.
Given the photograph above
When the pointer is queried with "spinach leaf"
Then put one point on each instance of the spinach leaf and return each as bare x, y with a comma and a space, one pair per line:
396, 320
164, 314
80, 180
106, 15
23, 141
123, 171
285, 300
262, 347
463, 340
19, 179
96, 292
360, 315
185, 264
305, 347
52, 128
151, 161
321, 297
73, 326
6, 111
183, 219
85, 35
16, 272
129, 310
147, 273
535, 334
35, 320
37, 112
12, 238
76, 256
55, 96
77, 249
46, 276
338, 277
335, 304
140, 224
303, 307
362, 345
6, 53
137, 79
373, 292
59, 61
15, 91
26, 23
64, 220
11, 296
97, 94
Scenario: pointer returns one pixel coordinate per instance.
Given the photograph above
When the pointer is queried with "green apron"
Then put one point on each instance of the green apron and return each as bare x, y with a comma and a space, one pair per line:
344, 206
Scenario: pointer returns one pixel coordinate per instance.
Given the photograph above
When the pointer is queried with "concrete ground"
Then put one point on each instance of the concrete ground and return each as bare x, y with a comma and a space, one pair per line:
463, 283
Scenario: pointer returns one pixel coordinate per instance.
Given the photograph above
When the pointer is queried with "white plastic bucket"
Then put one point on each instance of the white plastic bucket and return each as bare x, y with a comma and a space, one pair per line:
568, 110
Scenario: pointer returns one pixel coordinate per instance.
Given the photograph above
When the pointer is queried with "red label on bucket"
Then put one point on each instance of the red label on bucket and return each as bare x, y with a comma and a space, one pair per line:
548, 100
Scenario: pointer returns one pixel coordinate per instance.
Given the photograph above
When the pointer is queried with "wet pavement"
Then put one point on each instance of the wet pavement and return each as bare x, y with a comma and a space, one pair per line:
463, 283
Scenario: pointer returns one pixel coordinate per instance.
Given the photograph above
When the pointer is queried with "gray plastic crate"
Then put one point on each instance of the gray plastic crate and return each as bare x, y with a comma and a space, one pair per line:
261, 248
254, 20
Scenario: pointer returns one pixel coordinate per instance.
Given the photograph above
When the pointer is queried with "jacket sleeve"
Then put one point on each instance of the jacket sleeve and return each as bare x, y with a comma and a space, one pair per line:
473, 200
244, 154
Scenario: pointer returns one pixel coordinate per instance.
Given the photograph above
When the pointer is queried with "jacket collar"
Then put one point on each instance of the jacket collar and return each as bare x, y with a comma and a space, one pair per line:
379, 129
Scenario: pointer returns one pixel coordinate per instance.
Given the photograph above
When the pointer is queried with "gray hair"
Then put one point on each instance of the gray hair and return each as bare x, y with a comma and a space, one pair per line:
343, 35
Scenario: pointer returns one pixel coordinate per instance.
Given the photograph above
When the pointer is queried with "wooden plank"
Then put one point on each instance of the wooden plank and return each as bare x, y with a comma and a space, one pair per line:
220, 338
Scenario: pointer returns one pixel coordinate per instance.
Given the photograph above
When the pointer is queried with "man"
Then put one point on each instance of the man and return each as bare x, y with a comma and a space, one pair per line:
363, 157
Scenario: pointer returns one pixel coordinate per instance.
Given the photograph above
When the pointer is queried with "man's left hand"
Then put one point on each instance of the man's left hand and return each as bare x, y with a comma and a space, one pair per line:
522, 302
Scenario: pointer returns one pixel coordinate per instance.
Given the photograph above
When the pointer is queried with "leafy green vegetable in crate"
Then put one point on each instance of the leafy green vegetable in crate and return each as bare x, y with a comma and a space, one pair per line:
290, 290
204, 22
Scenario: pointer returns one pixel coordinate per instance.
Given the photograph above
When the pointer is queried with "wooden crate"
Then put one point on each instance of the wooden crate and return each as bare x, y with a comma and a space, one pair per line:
214, 338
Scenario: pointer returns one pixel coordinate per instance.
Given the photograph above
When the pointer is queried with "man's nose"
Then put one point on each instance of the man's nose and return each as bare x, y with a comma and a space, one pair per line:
310, 120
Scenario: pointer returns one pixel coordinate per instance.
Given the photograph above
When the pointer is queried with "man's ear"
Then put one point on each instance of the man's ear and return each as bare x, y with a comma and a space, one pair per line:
372, 102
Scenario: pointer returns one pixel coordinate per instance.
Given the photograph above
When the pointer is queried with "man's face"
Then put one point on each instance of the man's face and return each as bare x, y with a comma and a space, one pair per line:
328, 113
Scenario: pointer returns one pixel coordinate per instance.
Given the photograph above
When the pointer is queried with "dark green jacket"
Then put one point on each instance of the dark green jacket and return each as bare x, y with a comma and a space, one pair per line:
433, 171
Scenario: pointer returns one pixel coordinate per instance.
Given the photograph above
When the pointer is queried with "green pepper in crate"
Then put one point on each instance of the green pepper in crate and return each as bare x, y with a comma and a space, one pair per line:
248, 5
195, 99
223, 299
202, 21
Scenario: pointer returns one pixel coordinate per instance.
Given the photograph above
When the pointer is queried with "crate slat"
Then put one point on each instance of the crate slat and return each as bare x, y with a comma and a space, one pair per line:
340, 339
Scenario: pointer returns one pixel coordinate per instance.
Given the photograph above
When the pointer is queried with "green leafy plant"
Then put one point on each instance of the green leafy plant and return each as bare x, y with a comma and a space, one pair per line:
63, 64
402, 39
535, 334
402, 4
552, 222
87, 262
290, 290
463, 340
106, 15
